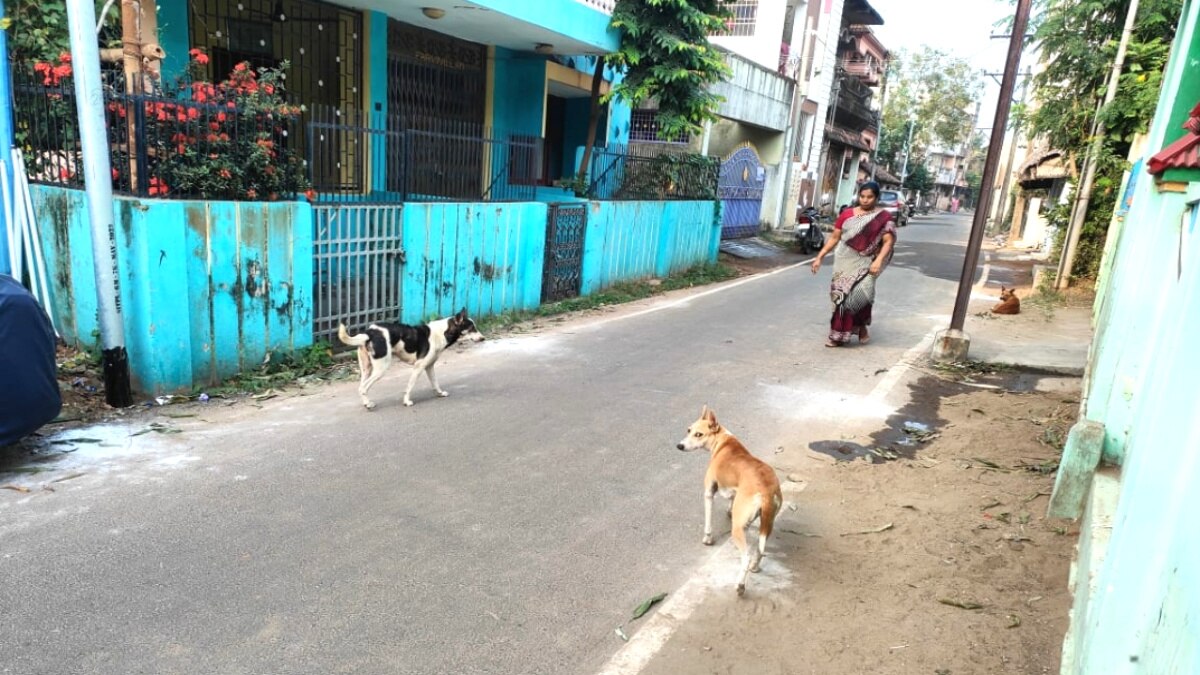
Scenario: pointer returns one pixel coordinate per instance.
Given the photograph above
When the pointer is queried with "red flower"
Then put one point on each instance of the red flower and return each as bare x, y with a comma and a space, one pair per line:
221, 117
269, 89
241, 67
193, 113
199, 57
62, 71
251, 194
63, 173
157, 186
64, 57
226, 174
116, 174
311, 194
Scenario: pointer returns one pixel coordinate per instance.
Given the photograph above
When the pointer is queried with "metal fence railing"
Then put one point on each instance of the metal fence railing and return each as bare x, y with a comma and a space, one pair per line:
415, 159
179, 143
618, 175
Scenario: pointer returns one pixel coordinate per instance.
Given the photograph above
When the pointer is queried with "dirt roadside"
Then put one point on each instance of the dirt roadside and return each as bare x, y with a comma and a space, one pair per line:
938, 562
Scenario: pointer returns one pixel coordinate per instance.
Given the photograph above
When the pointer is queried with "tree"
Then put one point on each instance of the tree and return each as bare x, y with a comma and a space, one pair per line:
664, 55
37, 29
919, 179
933, 90
1078, 42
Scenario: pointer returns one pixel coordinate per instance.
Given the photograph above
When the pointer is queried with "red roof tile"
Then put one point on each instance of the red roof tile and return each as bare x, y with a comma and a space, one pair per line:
1183, 153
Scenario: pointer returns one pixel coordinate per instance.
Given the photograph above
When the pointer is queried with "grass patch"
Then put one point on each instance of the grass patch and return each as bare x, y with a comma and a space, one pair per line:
313, 363
617, 294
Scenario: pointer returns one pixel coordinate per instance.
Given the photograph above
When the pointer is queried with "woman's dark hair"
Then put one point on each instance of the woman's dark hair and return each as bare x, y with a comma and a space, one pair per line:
870, 185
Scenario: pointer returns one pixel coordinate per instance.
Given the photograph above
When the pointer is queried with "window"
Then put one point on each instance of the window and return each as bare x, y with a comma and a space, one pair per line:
643, 127
745, 15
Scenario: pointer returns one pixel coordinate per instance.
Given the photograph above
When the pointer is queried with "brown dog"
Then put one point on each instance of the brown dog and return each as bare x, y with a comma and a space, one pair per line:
750, 484
1009, 302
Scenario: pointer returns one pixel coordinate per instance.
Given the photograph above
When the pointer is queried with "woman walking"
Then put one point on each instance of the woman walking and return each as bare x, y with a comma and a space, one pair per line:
864, 237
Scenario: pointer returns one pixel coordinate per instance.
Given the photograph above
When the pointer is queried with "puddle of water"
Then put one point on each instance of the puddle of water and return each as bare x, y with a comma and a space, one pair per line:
86, 448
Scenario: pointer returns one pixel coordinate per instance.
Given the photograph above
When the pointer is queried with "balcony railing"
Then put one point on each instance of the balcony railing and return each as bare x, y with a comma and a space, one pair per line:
866, 71
605, 6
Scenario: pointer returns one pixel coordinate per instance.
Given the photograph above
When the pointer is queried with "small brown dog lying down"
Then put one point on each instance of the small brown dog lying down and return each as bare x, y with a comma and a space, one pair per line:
1009, 302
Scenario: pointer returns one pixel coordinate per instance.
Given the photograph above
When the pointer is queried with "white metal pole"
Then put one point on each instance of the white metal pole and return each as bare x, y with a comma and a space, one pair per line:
97, 173
1075, 227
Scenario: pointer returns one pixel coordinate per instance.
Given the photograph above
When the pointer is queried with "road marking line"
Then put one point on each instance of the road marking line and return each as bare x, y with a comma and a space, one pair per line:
901, 368
652, 636
684, 300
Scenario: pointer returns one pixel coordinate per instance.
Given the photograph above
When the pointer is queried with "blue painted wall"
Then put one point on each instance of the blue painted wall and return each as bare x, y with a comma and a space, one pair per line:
626, 241
6, 138
375, 56
584, 23
207, 288
175, 38
1137, 608
519, 92
485, 257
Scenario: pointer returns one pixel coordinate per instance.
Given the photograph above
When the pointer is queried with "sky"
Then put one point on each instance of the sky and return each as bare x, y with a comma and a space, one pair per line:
959, 27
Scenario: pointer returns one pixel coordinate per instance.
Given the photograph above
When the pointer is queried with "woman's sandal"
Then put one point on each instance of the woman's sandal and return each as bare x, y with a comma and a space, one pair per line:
863, 340
831, 343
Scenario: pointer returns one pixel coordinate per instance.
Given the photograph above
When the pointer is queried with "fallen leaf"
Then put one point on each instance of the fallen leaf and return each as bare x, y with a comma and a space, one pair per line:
15, 488
960, 604
645, 606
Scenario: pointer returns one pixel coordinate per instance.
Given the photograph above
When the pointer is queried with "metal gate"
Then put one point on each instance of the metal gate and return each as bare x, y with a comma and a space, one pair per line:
563, 272
358, 256
741, 192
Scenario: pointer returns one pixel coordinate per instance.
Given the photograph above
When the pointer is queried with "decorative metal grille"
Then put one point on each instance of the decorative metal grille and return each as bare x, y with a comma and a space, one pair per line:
435, 77
741, 192
563, 272
357, 266
321, 43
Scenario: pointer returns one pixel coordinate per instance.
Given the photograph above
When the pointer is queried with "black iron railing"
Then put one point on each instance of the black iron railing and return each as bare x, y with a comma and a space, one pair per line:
618, 175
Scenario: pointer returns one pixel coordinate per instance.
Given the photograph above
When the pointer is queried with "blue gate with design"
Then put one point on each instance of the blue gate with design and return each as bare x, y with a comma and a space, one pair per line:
741, 192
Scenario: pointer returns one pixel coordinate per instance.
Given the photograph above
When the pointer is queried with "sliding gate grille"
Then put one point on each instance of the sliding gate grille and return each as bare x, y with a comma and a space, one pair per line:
357, 266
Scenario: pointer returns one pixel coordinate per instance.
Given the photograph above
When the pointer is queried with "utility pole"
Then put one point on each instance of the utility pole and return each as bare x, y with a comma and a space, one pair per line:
1067, 262
907, 151
954, 344
97, 173
1006, 178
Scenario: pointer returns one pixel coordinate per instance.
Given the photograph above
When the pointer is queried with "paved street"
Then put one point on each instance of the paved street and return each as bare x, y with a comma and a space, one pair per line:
506, 529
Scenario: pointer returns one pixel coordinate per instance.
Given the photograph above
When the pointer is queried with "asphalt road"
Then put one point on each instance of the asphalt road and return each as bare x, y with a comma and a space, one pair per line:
506, 529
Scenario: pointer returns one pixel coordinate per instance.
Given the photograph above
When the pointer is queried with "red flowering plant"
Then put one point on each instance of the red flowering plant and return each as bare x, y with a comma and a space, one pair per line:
231, 140
44, 119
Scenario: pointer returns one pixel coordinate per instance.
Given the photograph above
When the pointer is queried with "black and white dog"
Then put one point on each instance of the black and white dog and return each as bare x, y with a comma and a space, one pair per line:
419, 346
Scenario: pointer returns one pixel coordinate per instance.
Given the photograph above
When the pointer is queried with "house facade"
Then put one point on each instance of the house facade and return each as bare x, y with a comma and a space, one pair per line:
1134, 454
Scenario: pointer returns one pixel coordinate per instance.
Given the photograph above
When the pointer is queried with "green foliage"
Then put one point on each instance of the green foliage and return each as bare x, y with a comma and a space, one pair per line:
37, 29
1078, 40
668, 176
936, 92
665, 55
236, 151
919, 177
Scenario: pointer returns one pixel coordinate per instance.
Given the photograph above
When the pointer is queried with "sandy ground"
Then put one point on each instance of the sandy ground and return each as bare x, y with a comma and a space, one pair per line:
960, 521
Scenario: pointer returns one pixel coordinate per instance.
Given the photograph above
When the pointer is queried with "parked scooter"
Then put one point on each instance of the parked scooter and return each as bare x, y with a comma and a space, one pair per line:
809, 236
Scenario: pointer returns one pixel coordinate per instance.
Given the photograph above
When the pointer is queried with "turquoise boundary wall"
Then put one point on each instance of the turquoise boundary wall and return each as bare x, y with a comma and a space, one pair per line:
207, 288
636, 240
485, 257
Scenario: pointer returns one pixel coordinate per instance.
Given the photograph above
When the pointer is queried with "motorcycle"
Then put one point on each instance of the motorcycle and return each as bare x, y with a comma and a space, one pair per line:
809, 237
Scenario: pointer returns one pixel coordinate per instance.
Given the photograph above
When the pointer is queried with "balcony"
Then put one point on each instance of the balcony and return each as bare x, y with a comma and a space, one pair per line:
755, 95
854, 106
868, 71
